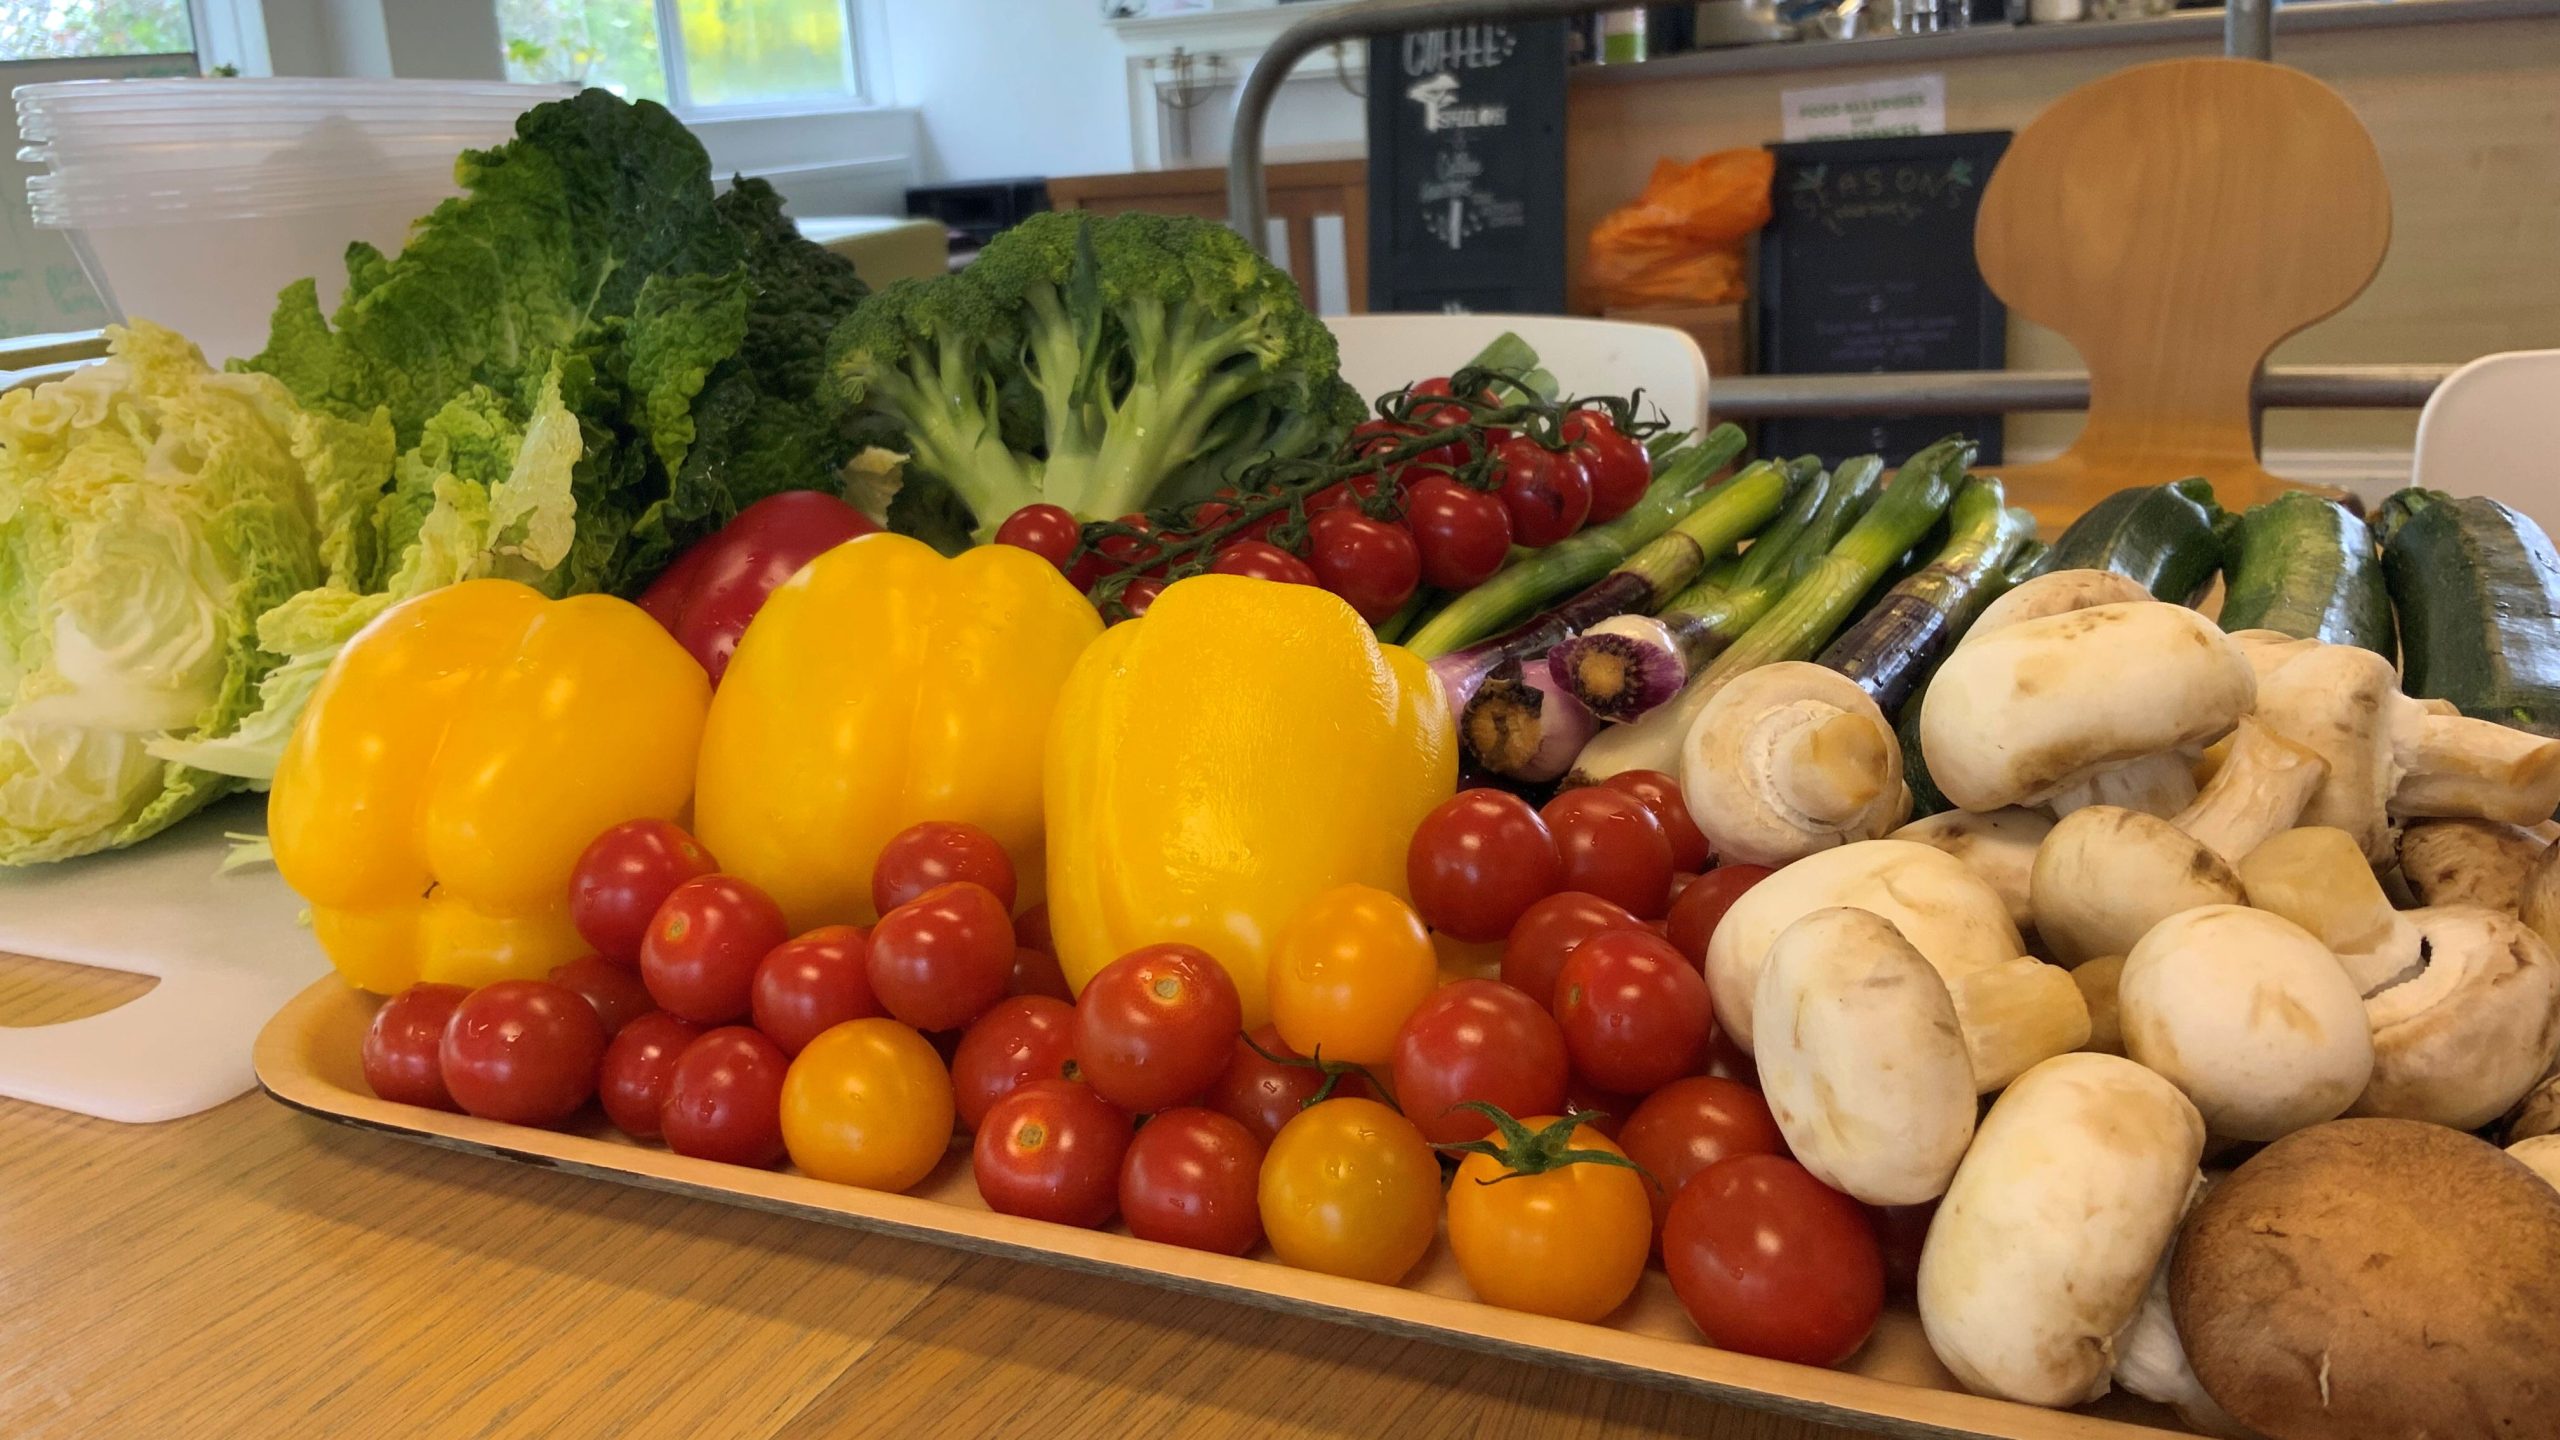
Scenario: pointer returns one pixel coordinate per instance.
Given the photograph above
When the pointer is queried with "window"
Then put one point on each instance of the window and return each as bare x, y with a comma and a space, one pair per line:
88, 29
695, 55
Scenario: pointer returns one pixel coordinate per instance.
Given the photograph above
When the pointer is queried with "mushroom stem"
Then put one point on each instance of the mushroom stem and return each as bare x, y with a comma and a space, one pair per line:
2161, 784
2016, 1016
2099, 982
2317, 878
1997, 845
2468, 862
1789, 759
1828, 764
2455, 765
2259, 792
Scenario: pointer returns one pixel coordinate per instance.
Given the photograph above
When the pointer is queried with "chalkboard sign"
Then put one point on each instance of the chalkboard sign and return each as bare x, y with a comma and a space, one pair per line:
1466, 169
1867, 266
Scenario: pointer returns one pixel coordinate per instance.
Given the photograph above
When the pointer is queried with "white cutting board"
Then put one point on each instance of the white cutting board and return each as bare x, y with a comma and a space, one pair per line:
229, 950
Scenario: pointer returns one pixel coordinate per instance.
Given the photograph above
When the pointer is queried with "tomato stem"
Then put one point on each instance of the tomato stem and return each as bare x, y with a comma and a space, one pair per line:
1333, 1071
1522, 1151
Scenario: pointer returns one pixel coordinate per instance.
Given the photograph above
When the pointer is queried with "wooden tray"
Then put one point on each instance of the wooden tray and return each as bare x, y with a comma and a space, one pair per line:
307, 1058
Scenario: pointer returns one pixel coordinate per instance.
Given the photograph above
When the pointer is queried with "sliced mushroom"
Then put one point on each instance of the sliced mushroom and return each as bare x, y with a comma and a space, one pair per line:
2250, 1017
2044, 1245
2465, 1036
2017, 1015
2101, 990
1998, 845
2468, 862
2539, 1154
2317, 878
1862, 1059
1789, 759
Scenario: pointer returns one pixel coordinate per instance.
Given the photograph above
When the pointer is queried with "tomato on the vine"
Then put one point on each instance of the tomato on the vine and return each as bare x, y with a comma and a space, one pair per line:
699, 960
1264, 1093
1769, 1261
1189, 1179
1700, 908
868, 1103
1153, 1028
1371, 563
1692, 1123
724, 1098
1051, 1150
1552, 1221
623, 876
1462, 535
1610, 845
1616, 465
938, 852
812, 983
1546, 932
522, 1051
1660, 794
1634, 1011
1477, 1040
1048, 531
1346, 971
1025, 1038
638, 1066
1261, 560
1478, 860
1349, 1187
401, 1053
1546, 493
614, 990
1140, 595
944, 958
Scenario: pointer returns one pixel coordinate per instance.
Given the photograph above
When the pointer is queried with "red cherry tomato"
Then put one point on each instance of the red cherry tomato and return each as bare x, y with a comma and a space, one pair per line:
1635, 1012
522, 1051
1477, 1040
617, 994
724, 1098
1609, 1110
1901, 1230
638, 1067
1263, 1094
1051, 1150
1617, 466
1373, 564
1660, 794
1547, 932
1261, 560
1726, 1060
1612, 847
1031, 930
400, 1055
1690, 1124
623, 876
1153, 1027
1700, 908
1462, 535
701, 955
1037, 972
812, 983
939, 852
1025, 1038
1379, 437
1478, 860
1547, 494
1769, 1261
1115, 553
1047, 531
1192, 1178
944, 958
1140, 596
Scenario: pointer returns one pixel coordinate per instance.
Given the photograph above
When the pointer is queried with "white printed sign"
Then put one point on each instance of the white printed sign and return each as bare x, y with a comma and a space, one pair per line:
1909, 105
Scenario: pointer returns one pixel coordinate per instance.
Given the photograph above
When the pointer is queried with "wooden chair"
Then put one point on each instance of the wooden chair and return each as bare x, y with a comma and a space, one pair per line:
2175, 221
1300, 192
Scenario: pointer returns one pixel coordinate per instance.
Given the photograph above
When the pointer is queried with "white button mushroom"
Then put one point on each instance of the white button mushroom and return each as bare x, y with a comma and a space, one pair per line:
2152, 1362
2466, 1036
2317, 878
2250, 1017
1861, 1058
2099, 990
2539, 1154
2016, 1015
1998, 845
2056, 592
2468, 862
2042, 1250
1789, 759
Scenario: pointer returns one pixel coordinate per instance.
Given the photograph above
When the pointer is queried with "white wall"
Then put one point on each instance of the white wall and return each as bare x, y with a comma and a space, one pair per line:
1010, 87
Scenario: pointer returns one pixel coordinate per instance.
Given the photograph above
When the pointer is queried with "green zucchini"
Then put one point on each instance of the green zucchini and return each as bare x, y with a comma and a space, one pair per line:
2477, 587
2169, 538
2306, 566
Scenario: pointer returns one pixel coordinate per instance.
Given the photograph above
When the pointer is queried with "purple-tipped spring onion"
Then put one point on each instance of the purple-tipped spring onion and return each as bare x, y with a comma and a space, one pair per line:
1902, 636
1522, 725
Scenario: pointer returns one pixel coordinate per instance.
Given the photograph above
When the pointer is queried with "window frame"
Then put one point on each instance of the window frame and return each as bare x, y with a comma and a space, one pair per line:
673, 60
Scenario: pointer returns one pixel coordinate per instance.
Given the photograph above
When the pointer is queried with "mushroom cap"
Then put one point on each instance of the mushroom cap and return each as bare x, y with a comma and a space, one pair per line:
1789, 759
2468, 862
2338, 702
2540, 1154
2375, 1280
2251, 1018
2466, 1036
2106, 875
2057, 592
2020, 714
1949, 916
1998, 845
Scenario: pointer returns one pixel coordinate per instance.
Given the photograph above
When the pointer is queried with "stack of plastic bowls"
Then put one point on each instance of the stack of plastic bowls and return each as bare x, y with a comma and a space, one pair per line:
192, 202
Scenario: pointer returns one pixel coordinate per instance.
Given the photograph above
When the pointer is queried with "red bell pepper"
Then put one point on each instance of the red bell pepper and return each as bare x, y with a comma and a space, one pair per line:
707, 597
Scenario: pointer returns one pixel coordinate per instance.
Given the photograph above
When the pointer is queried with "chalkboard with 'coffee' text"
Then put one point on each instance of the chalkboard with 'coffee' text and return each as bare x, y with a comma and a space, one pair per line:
1466, 169
1867, 266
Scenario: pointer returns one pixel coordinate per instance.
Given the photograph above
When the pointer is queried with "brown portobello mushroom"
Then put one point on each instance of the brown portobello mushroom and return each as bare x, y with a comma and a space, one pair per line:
2376, 1280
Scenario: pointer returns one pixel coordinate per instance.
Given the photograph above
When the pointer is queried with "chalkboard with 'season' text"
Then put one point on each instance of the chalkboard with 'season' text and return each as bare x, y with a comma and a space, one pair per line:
1466, 169
1867, 266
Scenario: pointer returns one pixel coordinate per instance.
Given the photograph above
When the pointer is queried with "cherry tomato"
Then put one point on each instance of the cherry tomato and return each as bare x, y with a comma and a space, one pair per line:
1025, 1038
812, 983
1139, 595
939, 852
1616, 465
1477, 1040
623, 876
1350, 1188
1690, 1124
1261, 560
1051, 1150
1347, 969
1189, 1179
1769, 1261
1607, 1110
1635, 1012
402, 1059
1700, 908
944, 958
1477, 861
1546, 494
867, 1103
1547, 932
1612, 847
1153, 1027
1568, 1241
1726, 1060
1031, 930
522, 1051
724, 1098
1262, 1094
703, 948
1371, 563
617, 994
1037, 972
1462, 536
637, 1069
1047, 531
1901, 1231
1660, 794
1114, 553
1348, 494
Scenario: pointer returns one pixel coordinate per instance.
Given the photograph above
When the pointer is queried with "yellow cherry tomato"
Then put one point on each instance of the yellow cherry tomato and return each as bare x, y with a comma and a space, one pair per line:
1567, 1240
867, 1103
1352, 964
1350, 1188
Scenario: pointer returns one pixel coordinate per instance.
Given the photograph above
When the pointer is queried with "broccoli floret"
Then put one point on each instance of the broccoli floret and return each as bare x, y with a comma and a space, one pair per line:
1104, 364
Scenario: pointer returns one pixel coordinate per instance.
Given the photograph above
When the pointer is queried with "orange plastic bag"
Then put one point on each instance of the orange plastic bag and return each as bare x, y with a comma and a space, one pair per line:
1681, 242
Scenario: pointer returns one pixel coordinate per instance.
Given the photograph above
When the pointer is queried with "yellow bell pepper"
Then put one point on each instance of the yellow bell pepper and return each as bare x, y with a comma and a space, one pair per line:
1239, 750
881, 686
453, 762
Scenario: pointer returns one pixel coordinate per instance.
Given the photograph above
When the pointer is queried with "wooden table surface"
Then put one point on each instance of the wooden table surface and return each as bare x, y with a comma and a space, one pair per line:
253, 1272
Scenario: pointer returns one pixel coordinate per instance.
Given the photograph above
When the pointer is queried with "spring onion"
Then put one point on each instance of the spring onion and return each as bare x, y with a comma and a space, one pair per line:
1901, 637
1523, 726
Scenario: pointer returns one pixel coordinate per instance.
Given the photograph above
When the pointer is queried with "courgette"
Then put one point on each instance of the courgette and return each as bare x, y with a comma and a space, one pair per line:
2477, 588
2306, 567
2169, 538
